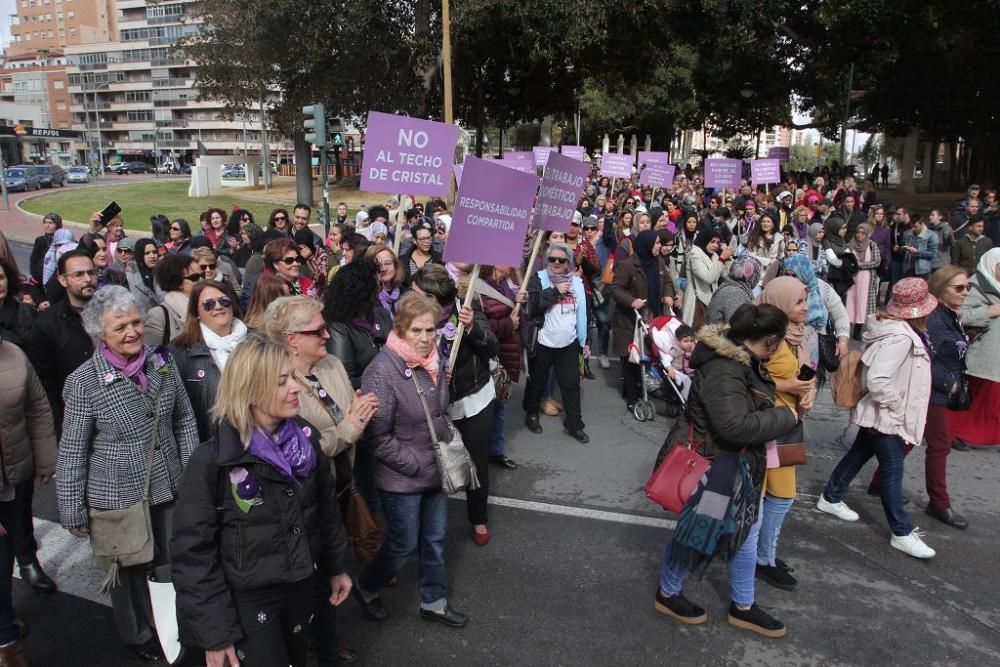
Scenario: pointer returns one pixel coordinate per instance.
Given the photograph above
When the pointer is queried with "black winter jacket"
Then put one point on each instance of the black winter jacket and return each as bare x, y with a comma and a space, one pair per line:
59, 344
355, 347
472, 366
16, 318
731, 403
201, 382
947, 346
217, 552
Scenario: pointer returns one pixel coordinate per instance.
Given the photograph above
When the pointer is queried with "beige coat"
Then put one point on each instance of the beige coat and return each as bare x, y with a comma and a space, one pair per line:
334, 438
703, 279
27, 435
897, 375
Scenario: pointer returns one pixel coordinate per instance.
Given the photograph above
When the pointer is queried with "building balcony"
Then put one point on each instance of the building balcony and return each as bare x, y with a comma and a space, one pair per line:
171, 83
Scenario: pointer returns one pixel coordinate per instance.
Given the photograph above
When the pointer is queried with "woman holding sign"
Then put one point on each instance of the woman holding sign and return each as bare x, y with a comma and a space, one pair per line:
557, 310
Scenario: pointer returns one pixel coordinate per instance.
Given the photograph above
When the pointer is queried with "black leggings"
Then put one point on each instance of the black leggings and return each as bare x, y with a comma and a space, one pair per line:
275, 620
475, 432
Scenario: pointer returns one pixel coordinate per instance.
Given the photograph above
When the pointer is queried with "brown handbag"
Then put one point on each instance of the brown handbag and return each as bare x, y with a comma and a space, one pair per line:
362, 531
792, 447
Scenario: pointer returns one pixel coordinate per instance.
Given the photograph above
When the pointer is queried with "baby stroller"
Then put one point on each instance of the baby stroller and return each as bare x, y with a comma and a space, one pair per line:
655, 381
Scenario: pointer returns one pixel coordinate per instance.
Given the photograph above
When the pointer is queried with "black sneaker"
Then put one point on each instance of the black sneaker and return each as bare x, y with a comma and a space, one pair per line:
679, 608
776, 576
756, 620
959, 445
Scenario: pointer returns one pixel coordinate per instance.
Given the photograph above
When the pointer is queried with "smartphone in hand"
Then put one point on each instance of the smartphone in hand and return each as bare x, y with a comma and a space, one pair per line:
109, 212
806, 373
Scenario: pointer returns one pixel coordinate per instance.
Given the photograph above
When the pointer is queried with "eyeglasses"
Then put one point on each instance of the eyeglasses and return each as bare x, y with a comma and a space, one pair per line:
194, 277
961, 289
207, 267
558, 260
208, 305
318, 333
175, 228
288, 261
77, 275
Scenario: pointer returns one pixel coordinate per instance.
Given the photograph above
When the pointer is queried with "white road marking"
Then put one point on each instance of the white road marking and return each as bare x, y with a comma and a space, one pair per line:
580, 512
67, 559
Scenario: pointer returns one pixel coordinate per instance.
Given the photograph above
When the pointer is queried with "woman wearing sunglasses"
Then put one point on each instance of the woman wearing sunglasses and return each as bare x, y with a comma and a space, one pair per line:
281, 221
175, 276
180, 236
212, 329
282, 258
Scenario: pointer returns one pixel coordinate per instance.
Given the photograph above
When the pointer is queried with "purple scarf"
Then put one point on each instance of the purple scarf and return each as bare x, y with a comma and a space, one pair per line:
389, 299
134, 369
290, 451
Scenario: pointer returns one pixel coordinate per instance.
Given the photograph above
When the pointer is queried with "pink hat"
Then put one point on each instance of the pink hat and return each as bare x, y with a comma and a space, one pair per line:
910, 299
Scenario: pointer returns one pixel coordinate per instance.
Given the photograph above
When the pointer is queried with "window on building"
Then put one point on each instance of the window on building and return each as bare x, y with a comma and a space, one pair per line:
71, 14
72, 32
58, 84
60, 106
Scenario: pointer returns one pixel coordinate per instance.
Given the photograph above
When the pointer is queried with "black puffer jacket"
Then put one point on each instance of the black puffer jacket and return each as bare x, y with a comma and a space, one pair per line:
201, 382
731, 404
218, 551
355, 347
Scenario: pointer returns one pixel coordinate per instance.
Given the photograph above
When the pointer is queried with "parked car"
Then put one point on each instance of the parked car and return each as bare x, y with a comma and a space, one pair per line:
131, 168
233, 171
77, 175
50, 175
21, 179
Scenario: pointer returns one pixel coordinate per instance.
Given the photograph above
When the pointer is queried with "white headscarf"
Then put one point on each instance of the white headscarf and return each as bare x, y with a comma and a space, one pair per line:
987, 268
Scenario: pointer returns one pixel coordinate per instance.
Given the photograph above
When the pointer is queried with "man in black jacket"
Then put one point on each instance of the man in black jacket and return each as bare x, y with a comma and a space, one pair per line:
59, 343
853, 215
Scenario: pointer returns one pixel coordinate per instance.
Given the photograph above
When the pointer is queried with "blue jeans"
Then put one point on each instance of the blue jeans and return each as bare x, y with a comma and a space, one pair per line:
774, 512
741, 571
414, 521
498, 444
888, 449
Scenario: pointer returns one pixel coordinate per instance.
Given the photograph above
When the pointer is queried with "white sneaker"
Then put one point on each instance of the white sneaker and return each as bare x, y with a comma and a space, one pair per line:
603, 361
912, 545
839, 510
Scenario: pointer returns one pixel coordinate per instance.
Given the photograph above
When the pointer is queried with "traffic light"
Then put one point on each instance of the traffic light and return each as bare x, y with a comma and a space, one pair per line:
336, 133
315, 125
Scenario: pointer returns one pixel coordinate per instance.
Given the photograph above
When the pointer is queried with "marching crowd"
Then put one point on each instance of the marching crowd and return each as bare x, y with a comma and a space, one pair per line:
232, 406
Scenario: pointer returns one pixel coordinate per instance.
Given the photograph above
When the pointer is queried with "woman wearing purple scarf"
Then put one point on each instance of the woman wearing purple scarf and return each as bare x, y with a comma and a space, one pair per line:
113, 401
257, 518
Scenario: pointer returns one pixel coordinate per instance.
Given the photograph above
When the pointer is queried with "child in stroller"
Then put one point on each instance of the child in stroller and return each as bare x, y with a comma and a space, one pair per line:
662, 348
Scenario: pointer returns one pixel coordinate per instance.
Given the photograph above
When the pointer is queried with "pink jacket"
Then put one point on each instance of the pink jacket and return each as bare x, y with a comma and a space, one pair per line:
897, 375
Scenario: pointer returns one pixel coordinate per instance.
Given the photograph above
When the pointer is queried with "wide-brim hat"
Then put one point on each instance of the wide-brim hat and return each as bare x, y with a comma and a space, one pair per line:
910, 299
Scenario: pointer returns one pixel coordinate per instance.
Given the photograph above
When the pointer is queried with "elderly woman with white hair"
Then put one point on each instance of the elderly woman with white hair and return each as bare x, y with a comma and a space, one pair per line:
128, 432
557, 311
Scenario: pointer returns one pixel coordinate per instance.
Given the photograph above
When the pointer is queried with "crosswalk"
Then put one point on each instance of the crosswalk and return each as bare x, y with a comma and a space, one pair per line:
67, 559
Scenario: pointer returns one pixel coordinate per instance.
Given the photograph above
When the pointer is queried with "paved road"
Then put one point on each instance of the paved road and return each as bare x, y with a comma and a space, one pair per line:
570, 574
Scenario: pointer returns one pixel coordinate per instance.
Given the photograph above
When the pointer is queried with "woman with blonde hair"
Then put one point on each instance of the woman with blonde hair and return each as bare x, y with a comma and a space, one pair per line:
257, 522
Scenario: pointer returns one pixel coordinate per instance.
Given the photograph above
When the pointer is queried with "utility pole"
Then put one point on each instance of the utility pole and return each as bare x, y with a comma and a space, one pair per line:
847, 115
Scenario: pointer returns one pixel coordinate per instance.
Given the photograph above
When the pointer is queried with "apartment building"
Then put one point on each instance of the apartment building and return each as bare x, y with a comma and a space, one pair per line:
41, 25
138, 89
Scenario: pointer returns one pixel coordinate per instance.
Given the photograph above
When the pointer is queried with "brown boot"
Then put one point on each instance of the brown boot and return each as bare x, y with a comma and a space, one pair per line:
12, 655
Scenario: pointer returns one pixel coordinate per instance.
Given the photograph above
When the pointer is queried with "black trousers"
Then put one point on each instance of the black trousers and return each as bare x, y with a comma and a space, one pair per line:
324, 623
275, 620
475, 432
632, 389
566, 362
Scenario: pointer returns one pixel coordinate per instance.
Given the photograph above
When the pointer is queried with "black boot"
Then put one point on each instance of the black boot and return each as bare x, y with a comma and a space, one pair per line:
856, 332
33, 575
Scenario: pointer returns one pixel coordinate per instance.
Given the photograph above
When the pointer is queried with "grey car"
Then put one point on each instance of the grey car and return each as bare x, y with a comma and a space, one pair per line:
50, 175
21, 179
77, 175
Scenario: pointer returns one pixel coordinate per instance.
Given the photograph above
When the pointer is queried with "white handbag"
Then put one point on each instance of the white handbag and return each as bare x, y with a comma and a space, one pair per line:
458, 472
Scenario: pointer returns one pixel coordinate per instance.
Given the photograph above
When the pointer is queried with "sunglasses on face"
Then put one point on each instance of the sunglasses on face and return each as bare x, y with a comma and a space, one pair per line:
321, 332
558, 260
126, 251
961, 289
208, 305
207, 267
280, 217
175, 229
288, 261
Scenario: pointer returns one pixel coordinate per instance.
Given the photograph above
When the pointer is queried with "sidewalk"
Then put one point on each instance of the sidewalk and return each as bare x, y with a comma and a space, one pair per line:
23, 227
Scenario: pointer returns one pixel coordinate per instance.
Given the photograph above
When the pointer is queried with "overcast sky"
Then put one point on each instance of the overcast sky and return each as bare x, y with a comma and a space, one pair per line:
7, 7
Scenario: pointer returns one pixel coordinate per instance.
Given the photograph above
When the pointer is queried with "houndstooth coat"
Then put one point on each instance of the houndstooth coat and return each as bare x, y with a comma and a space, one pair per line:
107, 427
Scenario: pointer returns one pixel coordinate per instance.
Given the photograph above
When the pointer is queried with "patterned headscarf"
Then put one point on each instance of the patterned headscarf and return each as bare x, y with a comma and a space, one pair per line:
747, 270
800, 267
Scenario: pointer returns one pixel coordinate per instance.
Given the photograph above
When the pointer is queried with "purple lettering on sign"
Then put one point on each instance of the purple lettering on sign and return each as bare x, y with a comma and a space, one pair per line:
575, 152
562, 186
492, 211
723, 173
764, 172
458, 174
616, 165
779, 152
649, 157
658, 175
404, 154
542, 154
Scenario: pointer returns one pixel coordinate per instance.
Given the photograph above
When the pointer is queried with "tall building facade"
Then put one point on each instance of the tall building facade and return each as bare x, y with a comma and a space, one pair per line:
41, 25
134, 97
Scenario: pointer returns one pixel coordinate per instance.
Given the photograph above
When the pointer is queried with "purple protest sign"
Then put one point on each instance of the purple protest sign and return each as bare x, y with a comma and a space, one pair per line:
521, 156
723, 173
405, 154
542, 154
458, 174
562, 187
491, 214
765, 172
779, 152
519, 165
616, 165
649, 157
658, 175
575, 152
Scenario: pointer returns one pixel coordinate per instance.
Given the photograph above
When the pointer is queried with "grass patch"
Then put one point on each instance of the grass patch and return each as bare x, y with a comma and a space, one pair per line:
139, 201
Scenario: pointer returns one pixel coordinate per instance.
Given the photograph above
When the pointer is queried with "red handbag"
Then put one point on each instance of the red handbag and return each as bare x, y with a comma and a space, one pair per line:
673, 482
